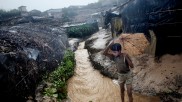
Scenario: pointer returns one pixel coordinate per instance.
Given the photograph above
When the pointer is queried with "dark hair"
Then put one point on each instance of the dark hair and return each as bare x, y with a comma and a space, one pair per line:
116, 47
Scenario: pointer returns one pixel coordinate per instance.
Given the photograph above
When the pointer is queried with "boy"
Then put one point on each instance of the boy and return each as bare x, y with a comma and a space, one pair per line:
123, 62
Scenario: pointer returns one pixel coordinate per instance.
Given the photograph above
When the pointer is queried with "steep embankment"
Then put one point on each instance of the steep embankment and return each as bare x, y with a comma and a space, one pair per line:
150, 77
27, 52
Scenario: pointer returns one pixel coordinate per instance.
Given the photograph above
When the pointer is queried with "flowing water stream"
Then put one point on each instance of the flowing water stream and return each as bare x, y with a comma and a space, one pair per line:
88, 85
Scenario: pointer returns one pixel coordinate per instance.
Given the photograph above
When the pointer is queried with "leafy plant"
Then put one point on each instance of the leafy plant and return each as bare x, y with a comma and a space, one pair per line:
59, 77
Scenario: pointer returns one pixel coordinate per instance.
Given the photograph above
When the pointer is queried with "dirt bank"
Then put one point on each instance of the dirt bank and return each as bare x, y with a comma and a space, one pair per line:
151, 77
154, 78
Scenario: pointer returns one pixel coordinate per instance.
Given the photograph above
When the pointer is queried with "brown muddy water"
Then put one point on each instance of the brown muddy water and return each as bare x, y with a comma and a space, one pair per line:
88, 85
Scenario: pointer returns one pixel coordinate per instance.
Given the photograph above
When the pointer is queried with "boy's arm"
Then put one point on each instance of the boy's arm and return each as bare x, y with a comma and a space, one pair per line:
129, 60
107, 49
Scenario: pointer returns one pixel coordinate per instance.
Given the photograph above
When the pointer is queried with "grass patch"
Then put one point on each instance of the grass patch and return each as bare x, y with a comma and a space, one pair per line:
57, 80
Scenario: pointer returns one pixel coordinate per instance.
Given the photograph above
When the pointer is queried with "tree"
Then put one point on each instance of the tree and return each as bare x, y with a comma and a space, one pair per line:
9, 14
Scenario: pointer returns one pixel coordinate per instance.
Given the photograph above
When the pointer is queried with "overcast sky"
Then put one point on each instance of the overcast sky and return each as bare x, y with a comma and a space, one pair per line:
41, 5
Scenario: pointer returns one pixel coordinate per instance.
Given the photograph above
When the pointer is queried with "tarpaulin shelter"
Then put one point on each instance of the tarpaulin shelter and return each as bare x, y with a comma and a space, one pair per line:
164, 17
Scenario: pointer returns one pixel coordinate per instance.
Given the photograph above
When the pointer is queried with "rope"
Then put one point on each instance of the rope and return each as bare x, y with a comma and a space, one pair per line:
165, 11
23, 78
166, 23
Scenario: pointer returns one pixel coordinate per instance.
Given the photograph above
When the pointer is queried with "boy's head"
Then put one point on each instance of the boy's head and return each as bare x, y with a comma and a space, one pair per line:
116, 49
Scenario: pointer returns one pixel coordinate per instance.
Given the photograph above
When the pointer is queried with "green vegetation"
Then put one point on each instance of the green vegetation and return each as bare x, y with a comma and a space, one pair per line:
9, 14
82, 30
57, 80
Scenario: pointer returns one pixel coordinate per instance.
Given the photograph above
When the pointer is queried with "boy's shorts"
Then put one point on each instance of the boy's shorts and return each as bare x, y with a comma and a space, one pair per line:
125, 78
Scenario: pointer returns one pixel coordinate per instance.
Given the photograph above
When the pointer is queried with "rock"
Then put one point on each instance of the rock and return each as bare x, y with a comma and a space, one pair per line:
98, 41
73, 43
39, 90
95, 45
104, 64
180, 90
26, 54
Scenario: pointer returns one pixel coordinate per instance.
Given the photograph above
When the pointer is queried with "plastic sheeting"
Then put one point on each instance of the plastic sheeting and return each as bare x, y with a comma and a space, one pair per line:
164, 17
27, 52
141, 15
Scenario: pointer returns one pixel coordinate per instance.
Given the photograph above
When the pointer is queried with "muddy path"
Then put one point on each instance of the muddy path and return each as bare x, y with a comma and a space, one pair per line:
88, 85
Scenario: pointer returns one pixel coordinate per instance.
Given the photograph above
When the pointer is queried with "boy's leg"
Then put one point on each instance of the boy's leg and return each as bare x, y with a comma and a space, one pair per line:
122, 91
129, 92
129, 86
121, 79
